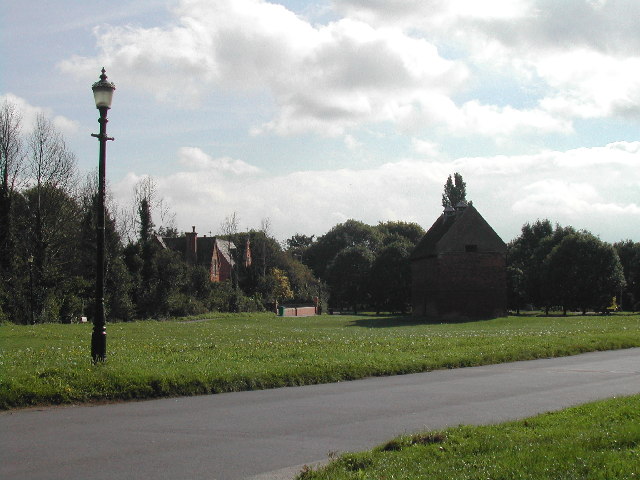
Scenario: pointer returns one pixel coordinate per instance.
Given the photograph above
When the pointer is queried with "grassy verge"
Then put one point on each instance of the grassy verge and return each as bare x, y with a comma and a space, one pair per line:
50, 364
594, 441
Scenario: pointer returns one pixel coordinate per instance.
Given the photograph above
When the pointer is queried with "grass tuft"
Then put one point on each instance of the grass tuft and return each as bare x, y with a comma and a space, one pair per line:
426, 438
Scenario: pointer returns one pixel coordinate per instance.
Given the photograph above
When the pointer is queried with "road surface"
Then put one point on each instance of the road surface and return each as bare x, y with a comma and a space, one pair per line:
270, 434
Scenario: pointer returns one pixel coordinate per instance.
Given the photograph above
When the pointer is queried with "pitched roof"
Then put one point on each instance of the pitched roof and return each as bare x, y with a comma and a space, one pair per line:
452, 232
225, 247
204, 247
174, 243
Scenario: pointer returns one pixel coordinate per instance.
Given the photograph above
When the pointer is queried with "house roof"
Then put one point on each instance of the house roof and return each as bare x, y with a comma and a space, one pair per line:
174, 243
225, 247
204, 247
453, 231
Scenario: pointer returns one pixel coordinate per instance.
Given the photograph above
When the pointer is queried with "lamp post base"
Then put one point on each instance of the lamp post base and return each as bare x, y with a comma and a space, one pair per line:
99, 346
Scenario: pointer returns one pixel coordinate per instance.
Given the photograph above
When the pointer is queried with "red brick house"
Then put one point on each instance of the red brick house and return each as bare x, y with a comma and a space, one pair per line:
459, 268
211, 252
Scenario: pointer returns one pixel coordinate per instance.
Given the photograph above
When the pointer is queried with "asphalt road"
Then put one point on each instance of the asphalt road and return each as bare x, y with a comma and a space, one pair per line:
270, 434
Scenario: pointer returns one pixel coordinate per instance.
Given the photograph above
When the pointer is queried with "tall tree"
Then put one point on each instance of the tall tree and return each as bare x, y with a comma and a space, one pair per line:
47, 225
145, 221
351, 233
516, 292
147, 250
629, 253
11, 159
128, 217
53, 215
265, 229
299, 241
251, 280
348, 276
282, 287
455, 191
583, 272
394, 231
390, 277
118, 281
525, 258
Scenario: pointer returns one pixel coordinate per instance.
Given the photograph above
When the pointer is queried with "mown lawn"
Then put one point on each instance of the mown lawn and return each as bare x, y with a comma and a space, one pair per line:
594, 441
50, 364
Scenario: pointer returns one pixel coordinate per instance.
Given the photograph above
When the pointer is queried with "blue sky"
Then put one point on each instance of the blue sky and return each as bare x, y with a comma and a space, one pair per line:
308, 113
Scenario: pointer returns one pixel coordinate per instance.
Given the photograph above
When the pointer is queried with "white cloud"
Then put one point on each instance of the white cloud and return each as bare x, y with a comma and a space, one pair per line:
196, 159
581, 56
555, 186
557, 197
30, 112
589, 84
430, 14
505, 121
425, 147
327, 78
351, 142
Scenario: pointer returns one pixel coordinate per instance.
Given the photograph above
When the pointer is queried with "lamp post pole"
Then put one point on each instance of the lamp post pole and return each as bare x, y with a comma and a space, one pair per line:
30, 262
103, 92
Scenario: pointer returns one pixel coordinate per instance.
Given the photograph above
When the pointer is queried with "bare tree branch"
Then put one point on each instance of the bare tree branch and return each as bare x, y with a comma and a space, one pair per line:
50, 163
11, 148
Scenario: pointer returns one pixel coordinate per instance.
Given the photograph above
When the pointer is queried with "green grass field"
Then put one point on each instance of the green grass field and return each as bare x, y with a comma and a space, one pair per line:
50, 364
594, 441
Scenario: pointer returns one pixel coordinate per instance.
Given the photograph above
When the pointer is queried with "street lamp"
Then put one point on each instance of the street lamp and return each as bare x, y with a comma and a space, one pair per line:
30, 262
103, 94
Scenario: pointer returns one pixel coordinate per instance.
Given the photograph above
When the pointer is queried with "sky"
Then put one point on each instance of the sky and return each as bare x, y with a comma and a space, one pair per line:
309, 113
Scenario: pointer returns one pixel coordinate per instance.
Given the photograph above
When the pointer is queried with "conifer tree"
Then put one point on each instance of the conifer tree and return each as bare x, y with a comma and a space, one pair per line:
455, 191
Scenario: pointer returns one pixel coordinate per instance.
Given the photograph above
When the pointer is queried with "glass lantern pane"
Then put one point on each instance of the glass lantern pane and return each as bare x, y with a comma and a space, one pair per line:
103, 97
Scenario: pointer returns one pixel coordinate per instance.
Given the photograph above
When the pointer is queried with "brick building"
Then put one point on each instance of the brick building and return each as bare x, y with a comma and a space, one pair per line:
459, 267
213, 253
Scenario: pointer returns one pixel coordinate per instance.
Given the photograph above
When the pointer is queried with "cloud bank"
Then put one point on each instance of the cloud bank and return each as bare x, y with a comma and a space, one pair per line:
29, 113
312, 202
434, 73
383, 62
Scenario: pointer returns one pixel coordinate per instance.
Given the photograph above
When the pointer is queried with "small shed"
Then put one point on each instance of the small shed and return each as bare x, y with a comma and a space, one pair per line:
459, 268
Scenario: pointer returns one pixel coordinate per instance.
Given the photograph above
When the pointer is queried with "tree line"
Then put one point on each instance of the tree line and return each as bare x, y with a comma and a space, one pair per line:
368, 267
548, 267
48, 242
560, 267
48, 245
363, 266
555, 267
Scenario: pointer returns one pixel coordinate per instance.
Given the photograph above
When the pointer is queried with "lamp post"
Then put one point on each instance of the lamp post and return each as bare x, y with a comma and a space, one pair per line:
30, 262
103, 94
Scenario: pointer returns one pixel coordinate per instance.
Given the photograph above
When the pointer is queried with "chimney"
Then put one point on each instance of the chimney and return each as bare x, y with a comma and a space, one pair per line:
461, 206
449, 212
191, 252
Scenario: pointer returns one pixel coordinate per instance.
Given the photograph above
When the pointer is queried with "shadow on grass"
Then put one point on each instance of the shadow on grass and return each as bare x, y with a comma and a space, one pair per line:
386, 321
559, 314
371, 320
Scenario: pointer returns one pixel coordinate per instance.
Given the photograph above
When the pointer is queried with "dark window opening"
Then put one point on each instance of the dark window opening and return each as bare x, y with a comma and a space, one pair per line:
471, 248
